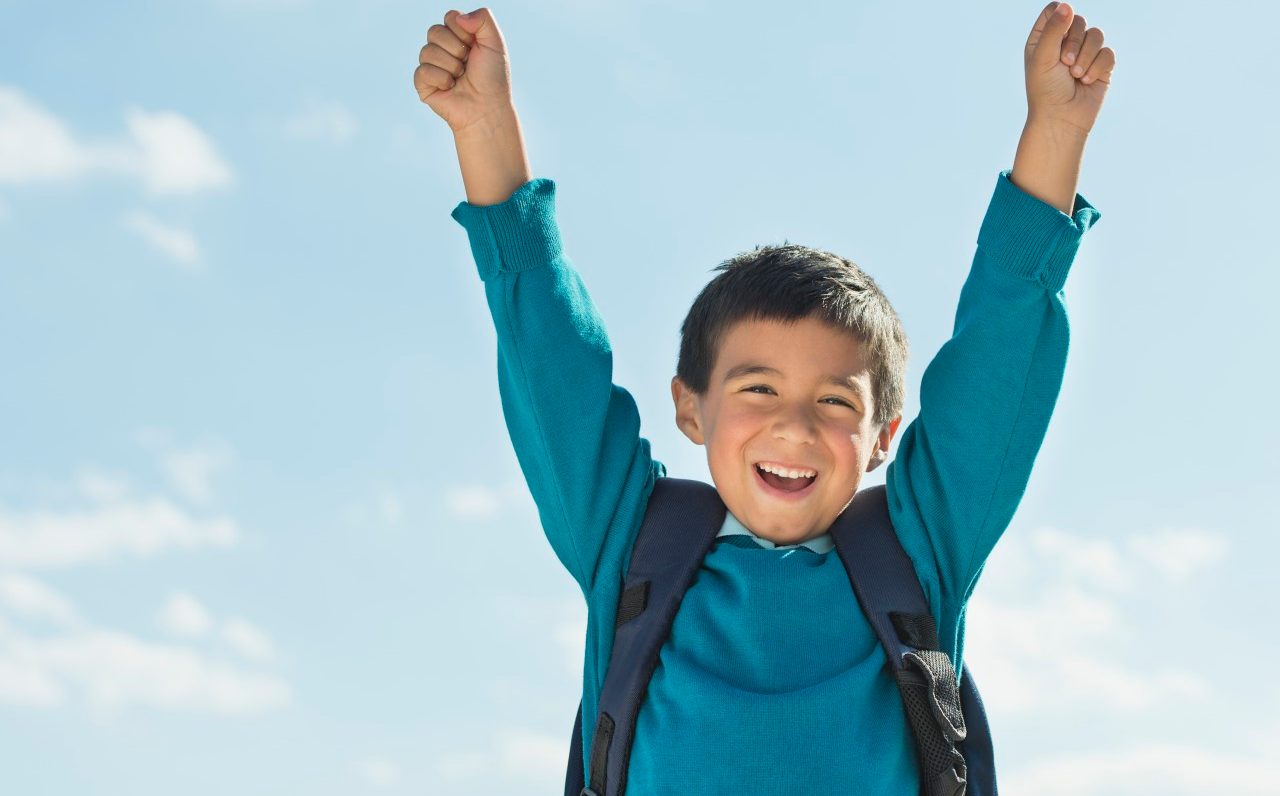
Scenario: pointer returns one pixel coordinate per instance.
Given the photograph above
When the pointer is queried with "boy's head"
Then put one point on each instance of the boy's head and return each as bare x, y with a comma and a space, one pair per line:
807, 315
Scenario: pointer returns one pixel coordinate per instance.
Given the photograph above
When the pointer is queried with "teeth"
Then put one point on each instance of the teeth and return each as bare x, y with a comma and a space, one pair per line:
787, 473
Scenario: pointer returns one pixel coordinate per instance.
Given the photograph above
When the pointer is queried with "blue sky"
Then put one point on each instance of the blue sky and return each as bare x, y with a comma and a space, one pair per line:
261, 527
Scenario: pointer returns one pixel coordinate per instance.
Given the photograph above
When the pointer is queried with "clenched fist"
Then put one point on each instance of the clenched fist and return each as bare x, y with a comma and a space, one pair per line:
463, 72
1068, 70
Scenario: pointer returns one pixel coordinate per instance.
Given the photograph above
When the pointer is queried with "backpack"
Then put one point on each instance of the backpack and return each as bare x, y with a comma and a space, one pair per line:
948, 723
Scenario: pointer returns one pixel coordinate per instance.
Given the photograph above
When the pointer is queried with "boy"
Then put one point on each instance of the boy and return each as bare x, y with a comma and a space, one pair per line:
790, 373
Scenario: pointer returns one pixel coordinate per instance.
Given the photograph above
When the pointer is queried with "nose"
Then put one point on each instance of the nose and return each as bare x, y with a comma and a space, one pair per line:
795, 424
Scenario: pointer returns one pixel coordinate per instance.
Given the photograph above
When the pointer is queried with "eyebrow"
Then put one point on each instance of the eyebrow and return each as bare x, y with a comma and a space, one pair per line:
849, 383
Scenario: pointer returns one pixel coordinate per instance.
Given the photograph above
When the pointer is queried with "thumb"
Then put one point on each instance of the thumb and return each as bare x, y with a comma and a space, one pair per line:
1056, 25
481, 24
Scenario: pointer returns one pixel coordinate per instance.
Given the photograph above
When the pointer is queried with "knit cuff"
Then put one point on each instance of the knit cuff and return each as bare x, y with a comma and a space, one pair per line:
1031, 238
514, 235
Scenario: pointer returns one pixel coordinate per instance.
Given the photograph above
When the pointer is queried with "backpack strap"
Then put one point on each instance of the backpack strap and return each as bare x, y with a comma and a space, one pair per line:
894, 602
680, 524
681, 521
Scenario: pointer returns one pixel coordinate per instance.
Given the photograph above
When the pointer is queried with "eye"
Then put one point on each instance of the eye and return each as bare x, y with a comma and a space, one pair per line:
839, 401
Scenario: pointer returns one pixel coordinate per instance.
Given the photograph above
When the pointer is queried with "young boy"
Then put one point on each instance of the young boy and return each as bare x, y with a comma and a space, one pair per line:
790, 373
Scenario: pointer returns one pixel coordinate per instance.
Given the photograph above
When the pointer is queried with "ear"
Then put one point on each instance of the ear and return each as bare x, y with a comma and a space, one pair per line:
881, 452
688, 411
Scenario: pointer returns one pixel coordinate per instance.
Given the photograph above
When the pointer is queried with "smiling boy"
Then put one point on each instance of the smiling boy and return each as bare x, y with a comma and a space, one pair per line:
789, 423
790, 373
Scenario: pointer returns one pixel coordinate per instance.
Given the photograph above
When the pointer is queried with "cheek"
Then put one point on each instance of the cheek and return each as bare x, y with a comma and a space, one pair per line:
845, 439
732, 432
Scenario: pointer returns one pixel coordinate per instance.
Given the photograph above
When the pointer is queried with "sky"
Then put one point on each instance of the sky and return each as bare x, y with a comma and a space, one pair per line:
262, 530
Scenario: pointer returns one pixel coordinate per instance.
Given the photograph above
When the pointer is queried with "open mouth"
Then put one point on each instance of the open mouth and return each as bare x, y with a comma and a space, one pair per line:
783, 487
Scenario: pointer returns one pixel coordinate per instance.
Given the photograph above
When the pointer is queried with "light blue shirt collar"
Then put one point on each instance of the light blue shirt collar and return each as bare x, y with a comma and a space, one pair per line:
732, 527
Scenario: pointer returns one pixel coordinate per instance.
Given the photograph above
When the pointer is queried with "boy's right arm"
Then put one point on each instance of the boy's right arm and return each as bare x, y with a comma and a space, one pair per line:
575, 433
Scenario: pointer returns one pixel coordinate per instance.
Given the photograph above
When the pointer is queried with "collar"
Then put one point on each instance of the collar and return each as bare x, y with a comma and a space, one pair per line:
732, 527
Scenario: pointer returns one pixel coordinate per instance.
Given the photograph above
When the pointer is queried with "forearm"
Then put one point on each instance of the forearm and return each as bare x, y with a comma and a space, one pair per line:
1047, 164
492, 157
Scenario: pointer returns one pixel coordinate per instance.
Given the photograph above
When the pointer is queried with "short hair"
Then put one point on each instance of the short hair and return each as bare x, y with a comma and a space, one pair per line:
789, 282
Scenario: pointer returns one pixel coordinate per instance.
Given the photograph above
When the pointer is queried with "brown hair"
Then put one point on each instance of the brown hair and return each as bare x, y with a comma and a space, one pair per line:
787, 283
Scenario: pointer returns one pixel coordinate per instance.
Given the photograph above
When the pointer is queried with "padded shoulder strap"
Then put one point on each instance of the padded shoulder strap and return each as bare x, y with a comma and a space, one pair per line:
890, 594
680, 523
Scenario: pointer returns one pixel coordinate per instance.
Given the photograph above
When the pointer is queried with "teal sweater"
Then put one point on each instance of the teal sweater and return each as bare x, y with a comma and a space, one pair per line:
772, 680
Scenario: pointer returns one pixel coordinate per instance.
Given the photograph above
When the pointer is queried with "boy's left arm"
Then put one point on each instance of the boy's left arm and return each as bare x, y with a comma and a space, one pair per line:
986, 398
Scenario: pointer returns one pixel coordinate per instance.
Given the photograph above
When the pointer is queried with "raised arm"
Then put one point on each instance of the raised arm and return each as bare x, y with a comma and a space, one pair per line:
987, 396
575, 433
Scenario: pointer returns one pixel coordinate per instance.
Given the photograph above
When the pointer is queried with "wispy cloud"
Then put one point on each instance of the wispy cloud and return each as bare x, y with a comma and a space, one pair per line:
325, 120
247, 639
1140, 770
51, 538
1045, 625
109, 669
378, 771
1177, 553
165, 151
102, 486
532, 760
30, 600
481, 501
189, 468
178, 244
184, 615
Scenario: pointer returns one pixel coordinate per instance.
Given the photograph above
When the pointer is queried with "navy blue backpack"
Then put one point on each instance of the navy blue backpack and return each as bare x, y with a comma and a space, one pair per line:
948, 723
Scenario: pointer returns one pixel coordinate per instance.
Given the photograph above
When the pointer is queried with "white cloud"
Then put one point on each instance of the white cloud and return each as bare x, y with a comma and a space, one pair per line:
322, 119
110, 670
534, 761
247, 639
1081, 559
191, 470
1046, 627
174, 242
172, 155
536, 756
480, 501
43, 538
184, 615
102, 487
1167, 769
166, 152
378, 771
461, 766
32, 600
34, 144
1178, 553
475, 502
22, 683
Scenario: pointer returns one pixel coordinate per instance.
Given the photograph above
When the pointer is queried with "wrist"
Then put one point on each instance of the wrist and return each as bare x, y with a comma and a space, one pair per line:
493, 122
1055, 131
492, 157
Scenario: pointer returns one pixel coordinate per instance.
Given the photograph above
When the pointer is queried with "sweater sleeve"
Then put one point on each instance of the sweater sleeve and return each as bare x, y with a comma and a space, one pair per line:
576, 434
963, 463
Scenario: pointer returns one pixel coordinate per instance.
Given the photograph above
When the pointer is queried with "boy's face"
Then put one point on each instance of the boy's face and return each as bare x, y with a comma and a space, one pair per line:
794, 417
